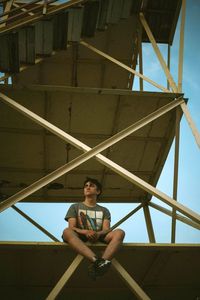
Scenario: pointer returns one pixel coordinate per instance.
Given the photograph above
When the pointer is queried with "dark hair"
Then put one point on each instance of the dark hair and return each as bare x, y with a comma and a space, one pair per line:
95, 181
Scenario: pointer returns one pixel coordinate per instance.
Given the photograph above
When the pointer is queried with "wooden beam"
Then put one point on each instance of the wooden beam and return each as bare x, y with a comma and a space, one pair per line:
65, 277
132, 284
149, 224
95, 152
117, 62
52, 10
141, 58
181, 46
168, 61
126, 217
158, 53
19, 211
23, 9
178, 217
191, 123
84, 157
175, 182
7, 11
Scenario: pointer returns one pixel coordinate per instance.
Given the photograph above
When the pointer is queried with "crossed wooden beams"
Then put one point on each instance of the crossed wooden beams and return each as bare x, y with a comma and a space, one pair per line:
94, 152
192, 218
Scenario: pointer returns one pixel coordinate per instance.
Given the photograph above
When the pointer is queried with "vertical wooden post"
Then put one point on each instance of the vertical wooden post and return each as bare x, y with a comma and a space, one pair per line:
149, 224
140, 58
175, 183
168, 61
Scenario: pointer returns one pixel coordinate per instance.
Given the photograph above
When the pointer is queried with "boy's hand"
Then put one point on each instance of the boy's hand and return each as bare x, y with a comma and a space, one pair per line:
91, 235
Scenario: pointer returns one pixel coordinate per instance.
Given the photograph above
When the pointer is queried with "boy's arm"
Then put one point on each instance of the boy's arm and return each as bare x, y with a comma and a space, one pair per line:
90, 234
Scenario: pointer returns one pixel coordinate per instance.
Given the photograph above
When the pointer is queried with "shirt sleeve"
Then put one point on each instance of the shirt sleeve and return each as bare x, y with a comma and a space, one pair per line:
71, 213
107, 214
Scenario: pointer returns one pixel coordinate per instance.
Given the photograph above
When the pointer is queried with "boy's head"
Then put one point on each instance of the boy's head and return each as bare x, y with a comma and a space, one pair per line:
96, 182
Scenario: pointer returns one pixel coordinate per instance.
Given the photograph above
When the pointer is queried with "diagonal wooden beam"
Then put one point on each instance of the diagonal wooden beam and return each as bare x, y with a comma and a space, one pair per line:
7, 11
149, 224
178, 217
95, 152
191, 123
32, 19
132, 284
51, 236
158, 53
65, 277
181, 46
117, 62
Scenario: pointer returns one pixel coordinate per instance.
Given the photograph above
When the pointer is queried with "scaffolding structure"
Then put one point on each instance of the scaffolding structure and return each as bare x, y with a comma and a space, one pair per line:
72, 67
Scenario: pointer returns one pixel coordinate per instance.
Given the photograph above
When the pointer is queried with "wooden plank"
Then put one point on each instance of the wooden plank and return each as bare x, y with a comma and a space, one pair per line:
117, 62
178, 217
51, 236
158, 53
33, 19
149, 223
6, 10
65, 277
181, 46
91, 153
175, 182
132, 284
191, 123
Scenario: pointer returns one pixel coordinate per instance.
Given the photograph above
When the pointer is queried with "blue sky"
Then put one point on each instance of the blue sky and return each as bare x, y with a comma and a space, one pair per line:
51, 216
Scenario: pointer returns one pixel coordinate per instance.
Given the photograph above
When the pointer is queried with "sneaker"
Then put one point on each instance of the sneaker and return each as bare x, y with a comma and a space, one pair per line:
102, 266
98, 268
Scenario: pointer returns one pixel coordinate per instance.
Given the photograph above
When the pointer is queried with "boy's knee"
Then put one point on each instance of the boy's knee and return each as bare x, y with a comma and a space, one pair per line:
120, 234
67, 233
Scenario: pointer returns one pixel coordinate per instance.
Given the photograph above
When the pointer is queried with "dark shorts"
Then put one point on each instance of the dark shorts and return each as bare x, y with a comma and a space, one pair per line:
85, 239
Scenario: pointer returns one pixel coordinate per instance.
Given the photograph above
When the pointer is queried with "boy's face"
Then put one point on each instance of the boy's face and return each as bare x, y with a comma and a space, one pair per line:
90, 189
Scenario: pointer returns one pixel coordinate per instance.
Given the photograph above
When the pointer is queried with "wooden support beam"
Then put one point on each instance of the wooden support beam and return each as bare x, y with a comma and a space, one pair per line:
178, 217
65, 277
84, 157
32, 19
181, 46
19, 211
132, 284
158, 53
149, 223
191, 123
7, 11
117, 62
126, 217
95, 152
23, 9
175, 183
141, 58
168, 62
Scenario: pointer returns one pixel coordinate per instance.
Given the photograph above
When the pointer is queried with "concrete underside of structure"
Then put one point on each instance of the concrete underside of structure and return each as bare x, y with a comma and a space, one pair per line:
164, 271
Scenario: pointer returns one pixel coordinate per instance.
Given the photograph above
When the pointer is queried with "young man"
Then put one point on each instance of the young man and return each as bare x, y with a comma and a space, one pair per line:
88, 221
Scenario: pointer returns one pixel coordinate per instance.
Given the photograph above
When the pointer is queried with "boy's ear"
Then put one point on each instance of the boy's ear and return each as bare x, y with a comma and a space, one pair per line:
98, 191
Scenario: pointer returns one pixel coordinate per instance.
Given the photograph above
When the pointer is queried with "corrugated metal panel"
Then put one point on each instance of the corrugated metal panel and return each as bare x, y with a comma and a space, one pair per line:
75, 19
90, 18
44, 37
9, 53
60, 26
27, 45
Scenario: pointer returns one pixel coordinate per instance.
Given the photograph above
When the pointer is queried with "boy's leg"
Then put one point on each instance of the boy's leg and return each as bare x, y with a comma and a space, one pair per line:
114, 240
70, 237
